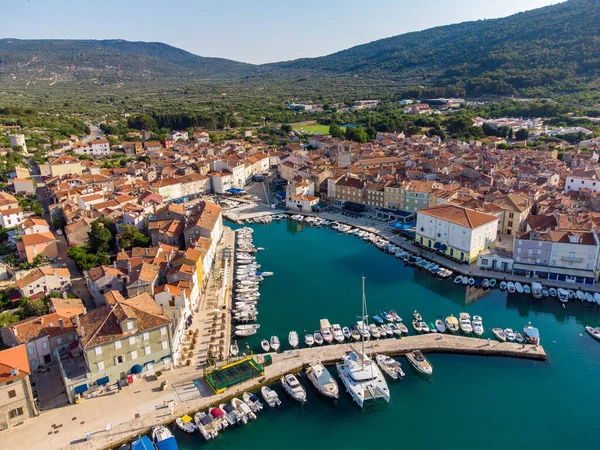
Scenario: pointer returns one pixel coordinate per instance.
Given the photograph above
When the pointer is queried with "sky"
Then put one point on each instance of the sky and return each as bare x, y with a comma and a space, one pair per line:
256, 31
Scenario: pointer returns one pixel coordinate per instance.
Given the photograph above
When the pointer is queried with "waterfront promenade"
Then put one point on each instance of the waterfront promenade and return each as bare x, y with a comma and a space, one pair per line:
295, 360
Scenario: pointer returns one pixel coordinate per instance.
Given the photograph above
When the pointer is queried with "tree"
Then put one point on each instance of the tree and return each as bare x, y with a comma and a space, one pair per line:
38, 260
142, 122
99, 238
130, 237
86, 260
37, 208
522, 134
286, 128
8, 318
31, 308
336, 131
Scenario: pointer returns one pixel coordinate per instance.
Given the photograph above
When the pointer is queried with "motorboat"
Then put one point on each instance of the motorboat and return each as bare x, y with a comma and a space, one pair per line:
589, 298
377, 318
395, 329
478, 325
471, 281
417, 326
186, 424
309, 339
274, 342
563, 295
503, 285
245, 332
243, 410
419, 362
346, 332
485, 283
374, 331
338, 335
362, 378
572, 295
553, 292
390, 366
270, 396
326, 331
234, 349
417, 316
465, 281
265, 345
293, 339
424, 326
219, 417
519, 287
452, 324
354, 332
536, 289
527, 289
292, 386
499, 333
510, 286
465, 323
382, 333
386, 328
531, 335
322, 380
231, 414
493, 283
519, 337
363, 329
163, 439
142, 443
402, 328
206, 425
386, 316
252, 401
439, 325
593, 332
510, 334
545, 292
395, 316
580, 295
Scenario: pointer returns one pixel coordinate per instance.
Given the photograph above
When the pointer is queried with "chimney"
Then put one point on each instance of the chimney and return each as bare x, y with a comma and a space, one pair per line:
61, 324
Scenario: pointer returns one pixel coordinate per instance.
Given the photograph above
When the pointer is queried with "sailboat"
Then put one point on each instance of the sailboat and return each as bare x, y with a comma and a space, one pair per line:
359, 373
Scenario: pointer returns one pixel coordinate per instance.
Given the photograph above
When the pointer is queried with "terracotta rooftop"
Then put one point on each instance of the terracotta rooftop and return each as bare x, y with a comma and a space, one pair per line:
464, 217
11, 359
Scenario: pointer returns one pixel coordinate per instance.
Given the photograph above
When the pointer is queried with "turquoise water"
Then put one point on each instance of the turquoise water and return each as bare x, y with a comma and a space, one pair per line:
496, 403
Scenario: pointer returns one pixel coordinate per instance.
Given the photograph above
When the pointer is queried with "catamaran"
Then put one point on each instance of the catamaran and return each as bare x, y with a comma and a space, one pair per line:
359, 373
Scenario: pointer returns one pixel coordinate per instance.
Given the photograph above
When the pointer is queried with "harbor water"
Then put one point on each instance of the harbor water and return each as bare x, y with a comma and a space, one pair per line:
494, 403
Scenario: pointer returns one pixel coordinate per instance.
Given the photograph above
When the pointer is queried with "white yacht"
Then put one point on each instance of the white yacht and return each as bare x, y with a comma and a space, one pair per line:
270, 396
293, 339
359, 373
390, 366
465, 323
419, 362
338, 335
292, 386
322, 380
478, 325
274, 342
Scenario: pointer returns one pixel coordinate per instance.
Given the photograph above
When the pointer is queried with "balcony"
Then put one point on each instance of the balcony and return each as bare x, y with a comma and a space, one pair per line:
571, 260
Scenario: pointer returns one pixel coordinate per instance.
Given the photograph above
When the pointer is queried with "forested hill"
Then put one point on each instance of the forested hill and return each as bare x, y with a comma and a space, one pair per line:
542, 52
543, 47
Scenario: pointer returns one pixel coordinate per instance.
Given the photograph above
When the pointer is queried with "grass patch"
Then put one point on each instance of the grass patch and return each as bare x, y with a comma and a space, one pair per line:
314, 129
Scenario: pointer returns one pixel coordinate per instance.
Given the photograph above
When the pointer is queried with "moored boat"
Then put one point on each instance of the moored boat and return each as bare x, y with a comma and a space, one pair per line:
499, 333
452, 324
503, 285
265, 345
186, 423
346, 332
390, 366
274, 342
322, 380
510, 286
439, 325
419, 362
252, 401
163, 438
465, 323
294, 389
206, 425
293, 339
510, 334
318, 337
593, 332
270, 396
519, 287
309, 340
417, 326
478, 325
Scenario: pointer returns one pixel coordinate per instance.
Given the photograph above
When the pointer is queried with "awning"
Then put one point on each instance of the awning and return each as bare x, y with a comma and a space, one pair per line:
437, 245
149, 362
81, 388
137, 369
102, 381
443, 247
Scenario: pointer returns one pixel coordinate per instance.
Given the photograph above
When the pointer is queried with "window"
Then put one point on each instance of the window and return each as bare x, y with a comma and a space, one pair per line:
100, 365
130, 325
147, 349
163, 331
117, 345
134, 355
98, 350
164, 345
15, 413
59, 341
12, 394
45, 345
119, 359
131, 340
30, 350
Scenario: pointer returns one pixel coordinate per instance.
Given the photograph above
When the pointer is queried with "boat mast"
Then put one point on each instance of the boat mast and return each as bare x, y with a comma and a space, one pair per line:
365, 318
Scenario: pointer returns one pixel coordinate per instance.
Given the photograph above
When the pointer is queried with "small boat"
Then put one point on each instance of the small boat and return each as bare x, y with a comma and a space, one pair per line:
386, 316
458, 279
471, 281
265, 345
219, 416
395, 329
292, 386
424, 326
589, 298
206, 425
485, 283
270, 396
245, 332
503, 285
346, 332
510, 334
309, 340
510, 286
519, 337
354, 332
593, 332
252, 401
275, 344
390, 366
526, 289
377, 318
597, 297
402, 328
439, 325
386, 328
465, 281
478, 325
322, 379
395, 316
519, 287
478, 283
417, 326
452, 324
231, 414
432, 327
163, 438
553, 292
243, 410
531, 334
234, 350
293, 339
465, 323
186, 423
374, 331
536, 289
417, 316
580, 295
142, 443
419, 362
327, 334
499, 333
563, 295
493, 283
545, 292
337, 332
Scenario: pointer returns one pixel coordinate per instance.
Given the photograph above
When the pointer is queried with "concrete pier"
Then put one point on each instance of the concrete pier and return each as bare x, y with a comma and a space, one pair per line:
295, 360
